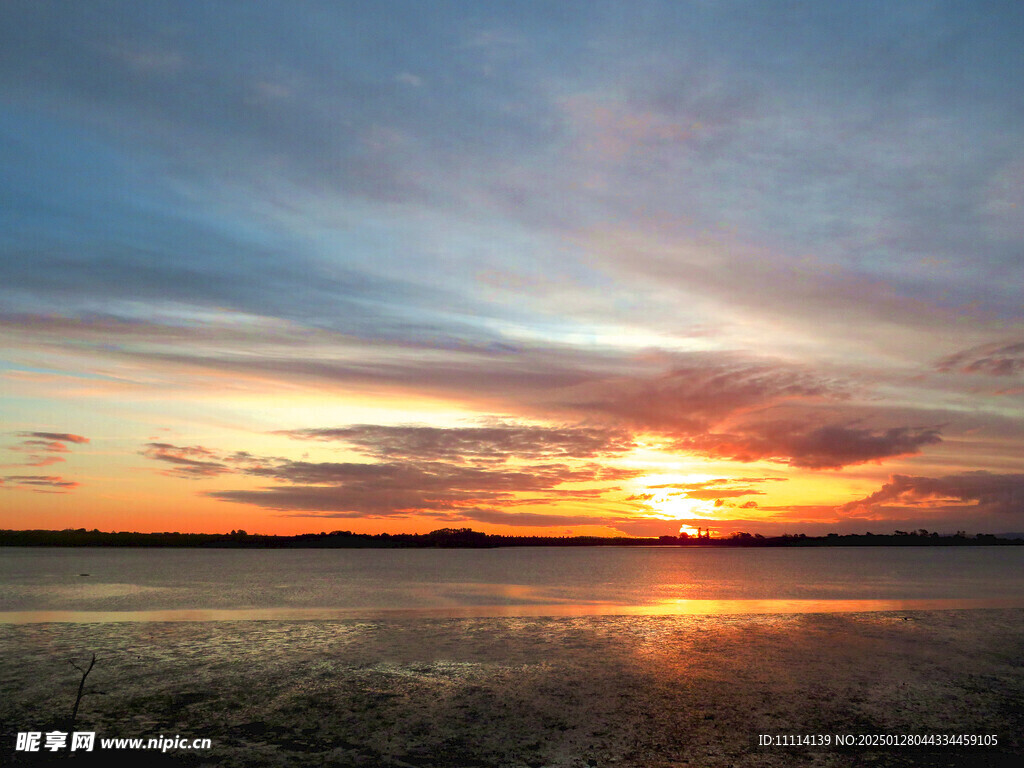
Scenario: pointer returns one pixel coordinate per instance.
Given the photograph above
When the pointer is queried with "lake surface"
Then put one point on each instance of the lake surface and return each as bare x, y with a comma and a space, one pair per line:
104, 584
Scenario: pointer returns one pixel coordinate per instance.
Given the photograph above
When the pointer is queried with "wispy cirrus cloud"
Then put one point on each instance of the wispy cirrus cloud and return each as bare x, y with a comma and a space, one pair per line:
979, 493
744, 231
488, 443
56, 437
388, 488
701, 390
190, 462
700, 395
45, 448
40, 483
418, 470
716, 489
832, 446
998, 359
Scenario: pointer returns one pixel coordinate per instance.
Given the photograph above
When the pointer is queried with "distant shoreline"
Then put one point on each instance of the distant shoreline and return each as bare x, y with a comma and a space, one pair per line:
465, 538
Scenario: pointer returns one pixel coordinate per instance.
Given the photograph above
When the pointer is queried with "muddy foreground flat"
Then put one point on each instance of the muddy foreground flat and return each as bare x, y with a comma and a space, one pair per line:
630, 691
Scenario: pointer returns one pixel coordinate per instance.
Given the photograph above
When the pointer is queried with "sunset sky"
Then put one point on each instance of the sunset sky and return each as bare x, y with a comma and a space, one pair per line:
526, 267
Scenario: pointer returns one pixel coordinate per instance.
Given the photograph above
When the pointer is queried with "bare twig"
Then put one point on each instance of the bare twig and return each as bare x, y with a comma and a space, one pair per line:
81, 688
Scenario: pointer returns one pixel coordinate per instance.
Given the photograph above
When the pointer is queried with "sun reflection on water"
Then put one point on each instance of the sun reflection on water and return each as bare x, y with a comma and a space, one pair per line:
684, 607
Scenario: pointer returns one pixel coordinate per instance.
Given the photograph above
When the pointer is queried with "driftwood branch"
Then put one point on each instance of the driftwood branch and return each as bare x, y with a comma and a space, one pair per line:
81, 688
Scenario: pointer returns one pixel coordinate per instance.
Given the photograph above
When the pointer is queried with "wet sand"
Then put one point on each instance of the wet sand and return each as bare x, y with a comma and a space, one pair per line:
643, 691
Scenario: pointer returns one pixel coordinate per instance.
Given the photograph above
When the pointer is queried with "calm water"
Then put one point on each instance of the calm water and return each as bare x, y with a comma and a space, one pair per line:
147, 584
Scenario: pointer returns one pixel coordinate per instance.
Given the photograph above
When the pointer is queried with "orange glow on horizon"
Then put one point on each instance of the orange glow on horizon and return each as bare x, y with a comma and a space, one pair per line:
121, 489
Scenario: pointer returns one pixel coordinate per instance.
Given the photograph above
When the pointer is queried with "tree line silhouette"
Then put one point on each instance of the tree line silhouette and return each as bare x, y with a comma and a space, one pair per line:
467, 538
